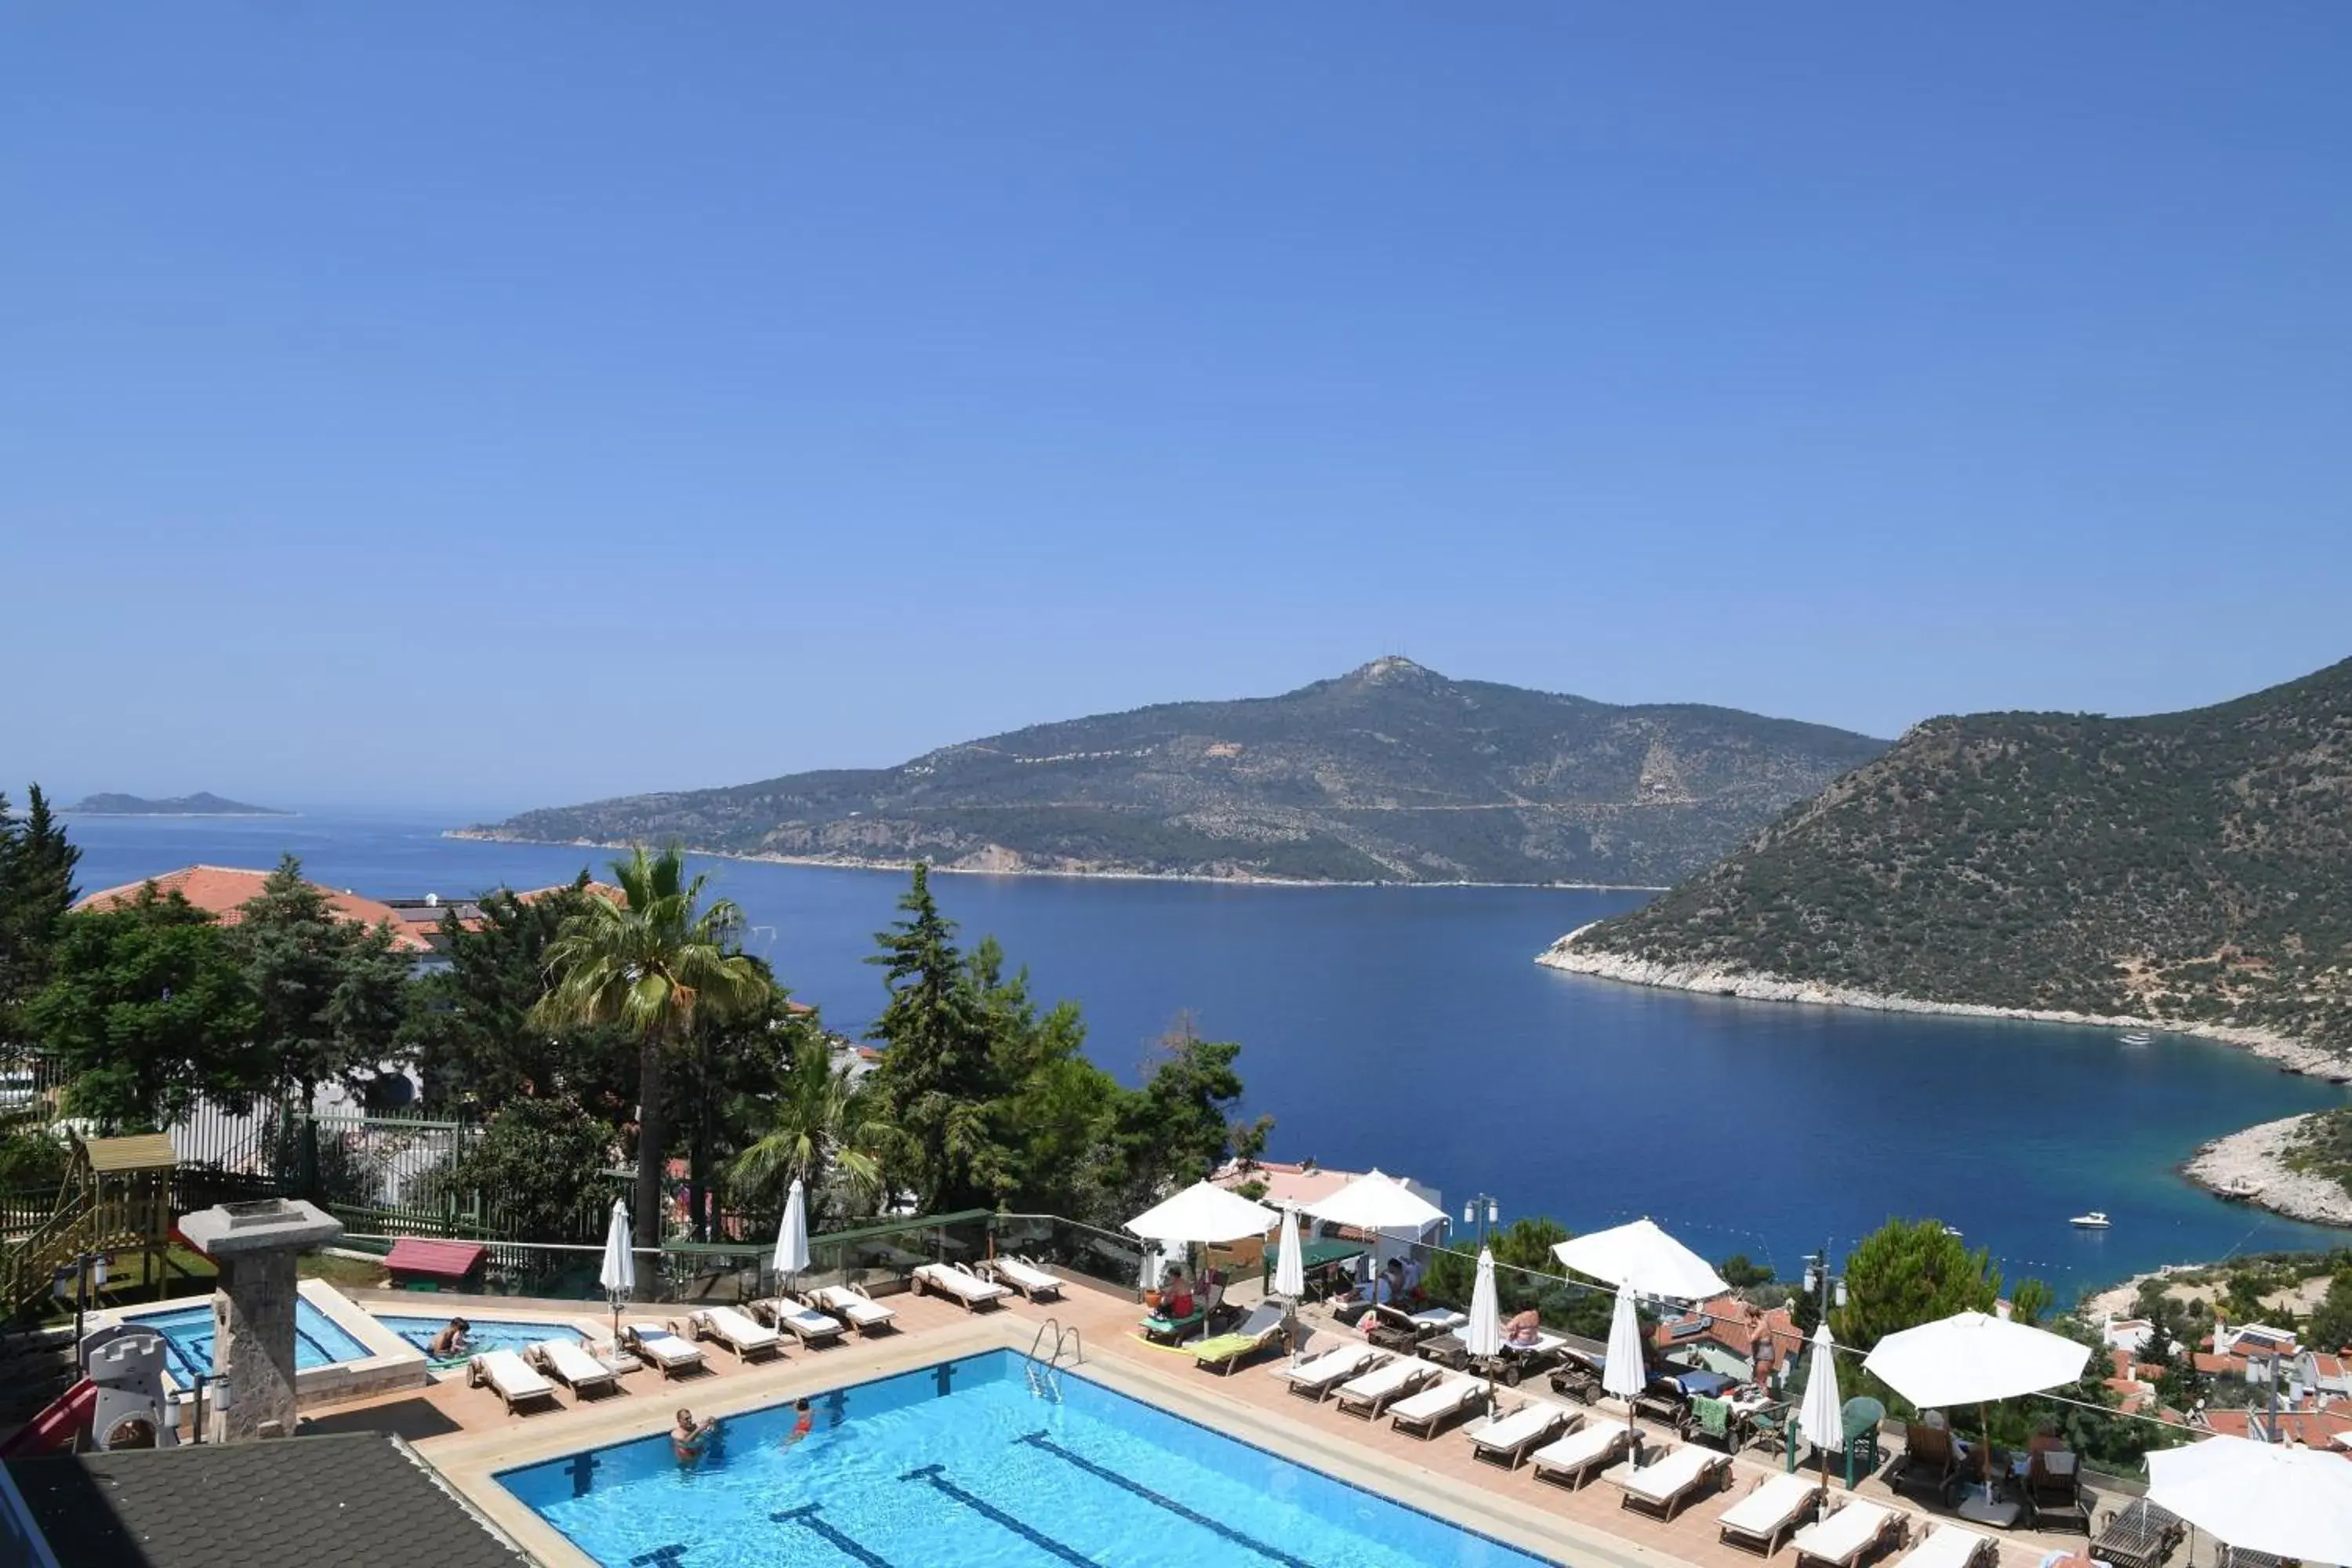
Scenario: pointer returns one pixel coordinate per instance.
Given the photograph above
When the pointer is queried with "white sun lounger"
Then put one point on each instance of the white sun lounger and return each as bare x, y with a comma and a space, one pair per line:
805, 1323
1026, 1278
510, 1376
1374, 1392
866, 1315
1841, 1539
1950, 1546
1768, 1515
969, 1289
1663, 1486
568, 1364
1574, 1459
1423, 1413
738, 1332
655, 1344
1505, 1439
1318, 1375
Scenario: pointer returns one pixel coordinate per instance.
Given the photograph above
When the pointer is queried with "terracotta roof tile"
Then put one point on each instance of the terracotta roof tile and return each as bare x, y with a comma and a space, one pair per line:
224, 891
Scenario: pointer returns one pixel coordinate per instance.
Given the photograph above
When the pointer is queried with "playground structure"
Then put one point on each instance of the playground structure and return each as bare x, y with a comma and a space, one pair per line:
116, 1198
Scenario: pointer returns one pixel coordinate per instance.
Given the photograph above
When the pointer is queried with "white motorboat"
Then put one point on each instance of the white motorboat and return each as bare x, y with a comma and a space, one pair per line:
2094, 1220
2138, 1038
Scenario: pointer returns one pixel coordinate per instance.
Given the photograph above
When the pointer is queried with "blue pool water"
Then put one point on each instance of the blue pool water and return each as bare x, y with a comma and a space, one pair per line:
488, 1334
961, 1463
188, 1338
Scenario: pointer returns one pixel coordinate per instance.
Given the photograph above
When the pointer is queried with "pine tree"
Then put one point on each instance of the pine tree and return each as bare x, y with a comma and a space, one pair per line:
333, 992
937, 1080
37, 888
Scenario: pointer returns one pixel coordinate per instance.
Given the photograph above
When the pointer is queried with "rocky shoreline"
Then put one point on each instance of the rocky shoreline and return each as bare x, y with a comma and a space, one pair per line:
2247, 1164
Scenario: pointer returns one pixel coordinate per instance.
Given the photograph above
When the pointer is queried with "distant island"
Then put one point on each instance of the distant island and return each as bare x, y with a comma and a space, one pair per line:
198, 804
1390, 774
2189, 871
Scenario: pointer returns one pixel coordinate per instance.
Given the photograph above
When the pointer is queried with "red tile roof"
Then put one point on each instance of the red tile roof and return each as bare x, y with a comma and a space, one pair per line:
2313, 1428
1737, 1326
224, 891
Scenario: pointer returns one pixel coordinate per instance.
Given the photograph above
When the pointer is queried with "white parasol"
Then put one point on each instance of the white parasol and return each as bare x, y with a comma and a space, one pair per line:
1970, 1358
618, 1273
1822, 1418
1645, 1257
1626, 1372
2284, 1502
1290, 1269
1204, 1214
792, 1233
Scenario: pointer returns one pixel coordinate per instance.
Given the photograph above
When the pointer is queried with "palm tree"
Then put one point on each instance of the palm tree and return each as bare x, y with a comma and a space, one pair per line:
824, 1131
649, 963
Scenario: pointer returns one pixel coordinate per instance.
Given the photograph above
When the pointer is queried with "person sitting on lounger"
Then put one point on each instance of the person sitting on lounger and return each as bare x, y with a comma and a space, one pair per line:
450, 1342
1177, 1304
1523, 1332
690, 1439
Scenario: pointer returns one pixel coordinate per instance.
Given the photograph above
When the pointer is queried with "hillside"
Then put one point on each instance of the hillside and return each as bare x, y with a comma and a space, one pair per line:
1392, 773
201, 803
2192, 867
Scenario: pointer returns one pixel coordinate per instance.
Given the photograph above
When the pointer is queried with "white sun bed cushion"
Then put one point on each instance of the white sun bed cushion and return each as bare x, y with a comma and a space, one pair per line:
739, 1328
1519, 1426
1335, 1365
1668, 1476
1771, 1505
807, 1320
957, 1283
1028, 1278
1947, 1546
1441, 1318
572, 1363
1384, 1381
1579, 1448
855, 1305
1841, 1537
664, 1347
512, 1377
1432, 1403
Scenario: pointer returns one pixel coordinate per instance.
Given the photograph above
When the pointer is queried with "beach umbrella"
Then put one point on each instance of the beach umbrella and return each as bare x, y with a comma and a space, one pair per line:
1377, 1202
1972, 1358
1482, 1336
1205, 1213
618, 1274
2284, 1502
1822, 1418
792, 1233
1290, 1269
1626, 1372
1645, 1257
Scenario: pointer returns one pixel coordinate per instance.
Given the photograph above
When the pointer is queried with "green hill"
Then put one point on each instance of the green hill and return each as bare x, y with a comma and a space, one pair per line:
1392, 773
201, 803
2190, 867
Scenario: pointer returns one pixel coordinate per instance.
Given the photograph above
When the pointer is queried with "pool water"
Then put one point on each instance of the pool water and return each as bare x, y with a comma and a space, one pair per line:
187, 1333
963, 1463
486, 1333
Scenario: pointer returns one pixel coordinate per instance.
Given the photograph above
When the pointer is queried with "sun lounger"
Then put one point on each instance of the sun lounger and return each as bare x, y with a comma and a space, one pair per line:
1769, 1514
1950, 1546
1382, 1386
1260, 1331
968, 1289
1026, 1278
1315, 1378
1505, 1441
1845, 1537
658, 1346
1513, 1362
737, 1330
568, 1364
804, 1322
509, 1377
1931, 1461
1429, 1412
866, 1315
2142, 1536
1575, 1458
1668, 1483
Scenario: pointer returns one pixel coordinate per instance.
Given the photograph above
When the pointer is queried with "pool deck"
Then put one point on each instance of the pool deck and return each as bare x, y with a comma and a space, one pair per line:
1587, 1528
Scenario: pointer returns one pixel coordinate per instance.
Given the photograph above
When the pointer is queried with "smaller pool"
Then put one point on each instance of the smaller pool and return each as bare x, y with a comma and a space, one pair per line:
187, 1332
488, 1333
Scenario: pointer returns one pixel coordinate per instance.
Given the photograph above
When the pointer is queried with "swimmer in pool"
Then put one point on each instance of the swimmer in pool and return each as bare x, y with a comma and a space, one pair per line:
804, 1422
450, 1342
690, 1439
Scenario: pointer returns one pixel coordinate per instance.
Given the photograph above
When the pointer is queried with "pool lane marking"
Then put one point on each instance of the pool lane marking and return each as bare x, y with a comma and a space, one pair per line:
1039, 1440
660, 1557
989, 1511
807, 1519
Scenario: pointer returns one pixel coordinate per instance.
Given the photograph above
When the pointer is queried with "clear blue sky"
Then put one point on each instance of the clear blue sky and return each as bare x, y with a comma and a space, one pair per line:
513, 402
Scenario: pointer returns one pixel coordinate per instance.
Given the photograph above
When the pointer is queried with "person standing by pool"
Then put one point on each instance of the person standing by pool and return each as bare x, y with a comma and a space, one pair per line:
804, 1422
689, 1439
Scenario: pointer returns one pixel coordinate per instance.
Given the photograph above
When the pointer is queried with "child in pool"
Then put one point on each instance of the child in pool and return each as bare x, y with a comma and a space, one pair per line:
804, 1422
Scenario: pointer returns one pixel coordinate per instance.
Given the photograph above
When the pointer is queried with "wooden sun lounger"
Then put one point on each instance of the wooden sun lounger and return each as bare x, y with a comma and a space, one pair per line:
1375, 1391
1950, 1546
1770, 1513
1842, 1539
509, 1377
570, 1365
2141, 1536
1317, 1378
968, 1289
1425, 1414
1582, 1454
1026, 1277
1505, 1441
1669, 1483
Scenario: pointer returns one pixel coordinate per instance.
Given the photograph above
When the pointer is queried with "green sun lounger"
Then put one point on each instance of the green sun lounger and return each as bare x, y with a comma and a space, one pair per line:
1156, 1327
1262, 1328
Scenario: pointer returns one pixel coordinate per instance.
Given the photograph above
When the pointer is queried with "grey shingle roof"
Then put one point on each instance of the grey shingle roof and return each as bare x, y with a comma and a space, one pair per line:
360, 1501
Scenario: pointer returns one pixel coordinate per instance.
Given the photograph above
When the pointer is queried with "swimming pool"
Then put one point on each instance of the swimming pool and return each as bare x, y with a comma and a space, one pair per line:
961, 1462
486, 1333
188, 1338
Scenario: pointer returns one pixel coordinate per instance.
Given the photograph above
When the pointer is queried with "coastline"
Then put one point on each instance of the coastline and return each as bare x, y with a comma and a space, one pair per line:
1014, 869
2228, 1166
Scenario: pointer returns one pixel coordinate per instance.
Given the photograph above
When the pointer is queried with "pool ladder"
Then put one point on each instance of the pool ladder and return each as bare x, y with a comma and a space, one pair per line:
1046, 1376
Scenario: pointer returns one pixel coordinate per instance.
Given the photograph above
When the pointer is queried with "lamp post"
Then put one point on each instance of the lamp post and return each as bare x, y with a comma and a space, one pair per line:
1481, 1211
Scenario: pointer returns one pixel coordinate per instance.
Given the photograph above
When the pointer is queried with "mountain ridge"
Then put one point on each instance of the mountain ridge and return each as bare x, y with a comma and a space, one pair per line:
204, 803
1389, 773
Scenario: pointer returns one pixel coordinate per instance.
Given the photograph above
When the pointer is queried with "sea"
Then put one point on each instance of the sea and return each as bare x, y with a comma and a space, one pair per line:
1410, 1028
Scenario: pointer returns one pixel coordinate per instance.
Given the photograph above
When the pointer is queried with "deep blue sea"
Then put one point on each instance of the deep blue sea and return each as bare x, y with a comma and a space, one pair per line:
1410, 1028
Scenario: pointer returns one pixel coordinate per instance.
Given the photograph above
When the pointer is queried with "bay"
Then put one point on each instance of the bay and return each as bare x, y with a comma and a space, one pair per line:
1410, 1028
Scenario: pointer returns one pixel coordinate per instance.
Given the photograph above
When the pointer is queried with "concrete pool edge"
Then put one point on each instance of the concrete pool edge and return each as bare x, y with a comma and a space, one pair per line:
471, 1462
391, 1365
